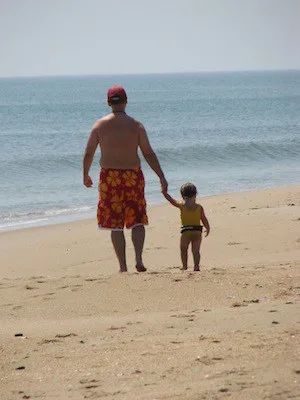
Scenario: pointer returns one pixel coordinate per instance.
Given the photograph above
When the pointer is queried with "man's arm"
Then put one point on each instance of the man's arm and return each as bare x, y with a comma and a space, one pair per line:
150, 157
89, 155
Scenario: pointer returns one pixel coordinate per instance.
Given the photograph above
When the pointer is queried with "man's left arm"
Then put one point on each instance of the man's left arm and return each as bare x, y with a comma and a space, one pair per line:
151, 158
89, 155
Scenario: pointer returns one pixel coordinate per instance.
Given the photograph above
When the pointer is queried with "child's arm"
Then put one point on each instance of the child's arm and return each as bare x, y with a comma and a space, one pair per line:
205, 222
171, 200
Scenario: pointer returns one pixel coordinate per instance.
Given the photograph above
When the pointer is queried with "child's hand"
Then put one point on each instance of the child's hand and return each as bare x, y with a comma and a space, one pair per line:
207, 232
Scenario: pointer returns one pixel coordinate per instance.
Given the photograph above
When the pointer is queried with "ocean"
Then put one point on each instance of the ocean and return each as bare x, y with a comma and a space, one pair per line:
225, 132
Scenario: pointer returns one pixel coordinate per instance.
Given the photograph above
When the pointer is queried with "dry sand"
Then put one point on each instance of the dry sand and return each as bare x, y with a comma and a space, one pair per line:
228, 332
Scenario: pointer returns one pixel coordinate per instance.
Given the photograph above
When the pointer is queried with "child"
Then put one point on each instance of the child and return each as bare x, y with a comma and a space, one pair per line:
191, 216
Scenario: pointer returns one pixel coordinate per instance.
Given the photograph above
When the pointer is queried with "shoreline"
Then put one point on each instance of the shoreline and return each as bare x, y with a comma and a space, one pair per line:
226, 212
68, 218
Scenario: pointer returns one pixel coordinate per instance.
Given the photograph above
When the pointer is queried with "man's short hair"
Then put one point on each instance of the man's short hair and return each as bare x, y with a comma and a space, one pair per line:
188, 190
116, 95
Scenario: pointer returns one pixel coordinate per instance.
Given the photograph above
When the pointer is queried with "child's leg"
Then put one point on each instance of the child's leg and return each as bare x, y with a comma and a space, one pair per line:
196, 243
184, 245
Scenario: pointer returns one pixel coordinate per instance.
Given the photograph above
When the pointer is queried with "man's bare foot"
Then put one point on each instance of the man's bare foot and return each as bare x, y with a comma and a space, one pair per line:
197, 269
183, 268
140, 268
123, 269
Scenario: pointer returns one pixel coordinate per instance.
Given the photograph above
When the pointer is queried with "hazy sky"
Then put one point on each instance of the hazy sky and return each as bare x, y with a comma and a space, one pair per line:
64, 37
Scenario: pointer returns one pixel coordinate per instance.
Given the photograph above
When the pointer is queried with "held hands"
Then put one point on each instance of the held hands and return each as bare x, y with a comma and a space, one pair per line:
87, 181
164, 185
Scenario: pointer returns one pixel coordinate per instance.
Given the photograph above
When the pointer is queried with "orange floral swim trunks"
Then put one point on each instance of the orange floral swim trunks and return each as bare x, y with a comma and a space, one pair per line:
121, 199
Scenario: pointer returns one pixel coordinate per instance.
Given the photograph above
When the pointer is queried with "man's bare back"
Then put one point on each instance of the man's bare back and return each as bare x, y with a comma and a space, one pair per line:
118, 137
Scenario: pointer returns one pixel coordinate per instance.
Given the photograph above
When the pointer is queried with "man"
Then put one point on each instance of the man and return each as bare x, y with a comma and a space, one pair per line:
121, 183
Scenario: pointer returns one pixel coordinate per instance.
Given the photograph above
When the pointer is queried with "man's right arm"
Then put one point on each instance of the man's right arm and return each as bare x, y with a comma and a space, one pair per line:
89, 155
150, 157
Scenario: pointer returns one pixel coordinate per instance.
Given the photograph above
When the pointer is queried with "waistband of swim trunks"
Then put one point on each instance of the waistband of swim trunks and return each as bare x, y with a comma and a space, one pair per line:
121, 169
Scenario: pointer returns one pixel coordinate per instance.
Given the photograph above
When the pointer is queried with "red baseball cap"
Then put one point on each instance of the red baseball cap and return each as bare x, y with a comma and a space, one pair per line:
116, 94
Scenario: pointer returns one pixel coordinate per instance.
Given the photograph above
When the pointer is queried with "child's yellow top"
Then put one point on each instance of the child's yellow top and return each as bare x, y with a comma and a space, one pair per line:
188, 217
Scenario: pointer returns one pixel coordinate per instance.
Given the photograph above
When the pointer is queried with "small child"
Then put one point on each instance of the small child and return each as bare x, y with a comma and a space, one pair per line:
191, 216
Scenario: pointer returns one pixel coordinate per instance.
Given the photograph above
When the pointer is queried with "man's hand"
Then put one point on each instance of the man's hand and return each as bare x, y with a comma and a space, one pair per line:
87, 181
164, 185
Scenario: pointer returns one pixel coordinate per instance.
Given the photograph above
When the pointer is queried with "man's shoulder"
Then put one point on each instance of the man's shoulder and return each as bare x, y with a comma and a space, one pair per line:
135, 124
104, 119
101, 121
139, 126
133, 120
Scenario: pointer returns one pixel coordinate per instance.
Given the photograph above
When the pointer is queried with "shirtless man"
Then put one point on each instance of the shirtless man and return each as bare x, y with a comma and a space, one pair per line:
121, 184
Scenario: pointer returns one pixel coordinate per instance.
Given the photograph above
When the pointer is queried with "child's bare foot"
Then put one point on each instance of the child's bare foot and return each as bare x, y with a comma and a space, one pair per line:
140, 268
183, 268
197, 269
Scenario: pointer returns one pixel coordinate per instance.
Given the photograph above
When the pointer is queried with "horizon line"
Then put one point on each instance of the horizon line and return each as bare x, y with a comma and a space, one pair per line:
149, 73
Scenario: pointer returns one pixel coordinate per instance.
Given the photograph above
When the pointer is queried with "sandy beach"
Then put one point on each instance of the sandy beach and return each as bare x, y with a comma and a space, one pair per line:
72, 327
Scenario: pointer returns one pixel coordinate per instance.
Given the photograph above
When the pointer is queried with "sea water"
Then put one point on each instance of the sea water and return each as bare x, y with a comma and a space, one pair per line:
225, 132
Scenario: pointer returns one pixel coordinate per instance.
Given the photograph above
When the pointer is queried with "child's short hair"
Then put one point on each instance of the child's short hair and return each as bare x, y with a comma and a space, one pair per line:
188, 190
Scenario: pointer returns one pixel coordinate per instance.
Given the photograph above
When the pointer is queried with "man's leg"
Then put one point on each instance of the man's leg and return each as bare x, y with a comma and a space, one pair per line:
118, 241
138, 239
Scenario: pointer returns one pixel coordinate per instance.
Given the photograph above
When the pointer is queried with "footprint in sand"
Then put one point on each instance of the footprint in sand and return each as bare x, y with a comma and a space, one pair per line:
183, 315
28, 287
238, 305
59, 335
208, 361
115, 328
251, 301
223, 390
297, 371
90, 384
46, 341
